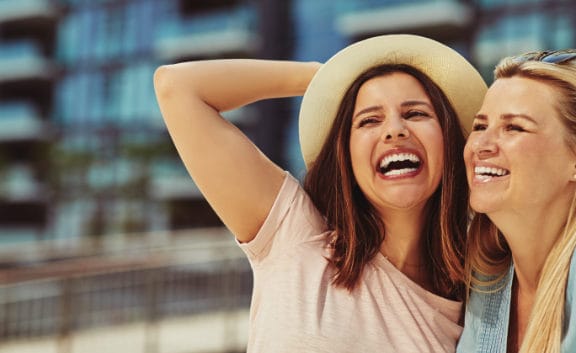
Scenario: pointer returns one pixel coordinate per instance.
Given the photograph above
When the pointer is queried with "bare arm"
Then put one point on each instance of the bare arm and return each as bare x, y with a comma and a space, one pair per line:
238, 181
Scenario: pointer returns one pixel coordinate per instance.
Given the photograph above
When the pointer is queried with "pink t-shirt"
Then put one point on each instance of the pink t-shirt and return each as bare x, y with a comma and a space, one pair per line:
295, 308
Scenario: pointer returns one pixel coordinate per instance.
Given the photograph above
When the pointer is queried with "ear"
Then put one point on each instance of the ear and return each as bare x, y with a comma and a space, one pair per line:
573, 179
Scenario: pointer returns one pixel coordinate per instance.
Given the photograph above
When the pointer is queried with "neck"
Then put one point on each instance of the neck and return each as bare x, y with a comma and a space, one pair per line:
404, 256
530, 236
530, 233
403, 245
521, 306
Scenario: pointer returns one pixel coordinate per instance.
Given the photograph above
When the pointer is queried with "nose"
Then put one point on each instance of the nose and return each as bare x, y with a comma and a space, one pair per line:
395, 129
483, 143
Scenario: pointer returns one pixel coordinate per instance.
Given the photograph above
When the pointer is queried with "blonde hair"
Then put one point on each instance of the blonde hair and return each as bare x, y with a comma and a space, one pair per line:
488, 253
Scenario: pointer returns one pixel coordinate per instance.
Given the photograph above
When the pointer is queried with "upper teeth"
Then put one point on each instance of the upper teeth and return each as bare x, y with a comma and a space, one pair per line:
399, 157
490, 170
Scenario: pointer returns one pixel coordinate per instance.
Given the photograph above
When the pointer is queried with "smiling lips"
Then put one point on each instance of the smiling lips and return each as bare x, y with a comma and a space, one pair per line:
484, 174
400, 164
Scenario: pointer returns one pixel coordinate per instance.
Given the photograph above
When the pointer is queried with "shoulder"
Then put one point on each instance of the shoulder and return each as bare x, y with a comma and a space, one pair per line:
293, 219
294, 208
486, 301
486, 318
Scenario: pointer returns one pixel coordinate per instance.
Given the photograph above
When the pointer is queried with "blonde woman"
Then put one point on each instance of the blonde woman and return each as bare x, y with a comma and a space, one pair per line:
521, 167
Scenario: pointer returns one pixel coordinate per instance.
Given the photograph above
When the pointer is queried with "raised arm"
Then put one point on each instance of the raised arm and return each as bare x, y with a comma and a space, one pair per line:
238, 181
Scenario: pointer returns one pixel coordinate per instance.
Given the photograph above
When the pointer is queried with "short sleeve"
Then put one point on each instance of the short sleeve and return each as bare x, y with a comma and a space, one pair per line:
293, 219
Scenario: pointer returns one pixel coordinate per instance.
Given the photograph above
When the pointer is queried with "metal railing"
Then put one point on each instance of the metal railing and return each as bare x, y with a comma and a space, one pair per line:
63, 298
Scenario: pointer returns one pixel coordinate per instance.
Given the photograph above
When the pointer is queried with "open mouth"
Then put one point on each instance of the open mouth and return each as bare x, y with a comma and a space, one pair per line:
490, 172
398, 164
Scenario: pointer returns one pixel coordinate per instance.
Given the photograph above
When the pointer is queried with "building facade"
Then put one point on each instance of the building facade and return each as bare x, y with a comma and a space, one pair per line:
83, 149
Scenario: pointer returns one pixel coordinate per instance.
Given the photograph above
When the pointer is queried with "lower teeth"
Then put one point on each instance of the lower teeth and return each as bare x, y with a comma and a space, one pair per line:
400, 171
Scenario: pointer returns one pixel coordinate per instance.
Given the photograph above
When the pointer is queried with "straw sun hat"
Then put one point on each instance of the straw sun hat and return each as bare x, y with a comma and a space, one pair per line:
457, 78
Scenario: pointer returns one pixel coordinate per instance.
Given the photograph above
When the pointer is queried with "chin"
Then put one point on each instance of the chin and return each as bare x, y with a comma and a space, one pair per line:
407, 203
482, 207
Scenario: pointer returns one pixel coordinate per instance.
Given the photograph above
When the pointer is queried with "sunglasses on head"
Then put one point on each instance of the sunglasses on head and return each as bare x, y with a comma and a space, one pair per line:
551, 57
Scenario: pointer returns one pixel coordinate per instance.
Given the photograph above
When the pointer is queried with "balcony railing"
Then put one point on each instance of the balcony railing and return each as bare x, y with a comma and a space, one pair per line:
20, 121
22, 60
216, 33
22, 10
65, 299
361, 18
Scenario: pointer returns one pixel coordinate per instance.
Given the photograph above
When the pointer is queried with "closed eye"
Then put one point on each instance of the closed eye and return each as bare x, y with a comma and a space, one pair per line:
412, 114
514, 127
370, 120
478, 127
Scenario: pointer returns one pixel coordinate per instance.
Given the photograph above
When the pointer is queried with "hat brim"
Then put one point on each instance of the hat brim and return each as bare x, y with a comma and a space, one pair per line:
457, 78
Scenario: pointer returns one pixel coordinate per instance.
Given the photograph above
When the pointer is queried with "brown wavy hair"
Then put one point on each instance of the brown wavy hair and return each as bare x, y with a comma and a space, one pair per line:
358, 229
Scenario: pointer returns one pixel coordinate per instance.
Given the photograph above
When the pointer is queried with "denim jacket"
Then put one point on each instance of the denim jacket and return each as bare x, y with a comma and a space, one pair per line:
487, 317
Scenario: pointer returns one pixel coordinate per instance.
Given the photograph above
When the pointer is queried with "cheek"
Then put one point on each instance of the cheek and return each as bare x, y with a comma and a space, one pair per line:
435, 148
355, 152
554, 160
534, 155
467, 153
361, 145
439, 163
357, 164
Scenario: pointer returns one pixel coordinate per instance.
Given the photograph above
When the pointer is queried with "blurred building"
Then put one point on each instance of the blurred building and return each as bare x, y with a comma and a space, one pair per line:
27, 78
83, 149
84, 153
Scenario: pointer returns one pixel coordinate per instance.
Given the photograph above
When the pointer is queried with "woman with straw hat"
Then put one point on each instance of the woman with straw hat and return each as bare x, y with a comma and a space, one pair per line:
367, 255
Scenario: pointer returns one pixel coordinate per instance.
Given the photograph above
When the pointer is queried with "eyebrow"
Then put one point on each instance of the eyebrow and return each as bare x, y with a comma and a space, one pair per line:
375, 108
509, 116
415, 102
370, 109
